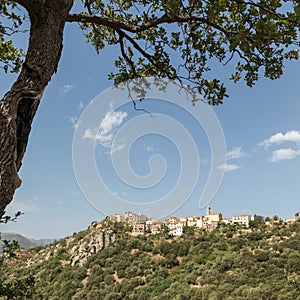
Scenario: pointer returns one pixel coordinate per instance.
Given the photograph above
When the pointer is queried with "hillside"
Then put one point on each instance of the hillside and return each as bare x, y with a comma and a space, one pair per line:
105, 262
24, 242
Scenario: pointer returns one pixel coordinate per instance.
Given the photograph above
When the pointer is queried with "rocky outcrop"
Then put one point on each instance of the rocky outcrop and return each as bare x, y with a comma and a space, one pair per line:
90, 244
72, 250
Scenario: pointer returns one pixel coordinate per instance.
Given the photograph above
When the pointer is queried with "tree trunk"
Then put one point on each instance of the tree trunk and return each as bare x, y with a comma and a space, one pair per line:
19, 105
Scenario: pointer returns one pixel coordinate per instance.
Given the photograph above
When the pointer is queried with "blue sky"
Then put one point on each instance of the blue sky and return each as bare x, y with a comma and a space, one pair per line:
261, 126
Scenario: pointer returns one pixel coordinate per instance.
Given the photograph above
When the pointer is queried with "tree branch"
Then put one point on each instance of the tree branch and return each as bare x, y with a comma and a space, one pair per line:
82, 18
123, 52
145, 54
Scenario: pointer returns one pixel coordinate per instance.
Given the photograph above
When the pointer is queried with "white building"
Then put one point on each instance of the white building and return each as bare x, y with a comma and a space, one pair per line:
173, 220
155, 228
293, 219
138, 229
176, 229
226, 221
241, 219
192, 221
149, 222
183, 220
200, 222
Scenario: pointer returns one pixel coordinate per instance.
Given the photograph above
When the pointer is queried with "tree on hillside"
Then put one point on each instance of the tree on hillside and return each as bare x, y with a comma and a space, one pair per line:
15, 288
169, 39
257, 222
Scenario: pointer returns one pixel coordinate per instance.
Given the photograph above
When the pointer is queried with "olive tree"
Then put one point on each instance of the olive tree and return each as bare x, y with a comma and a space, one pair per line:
174, 39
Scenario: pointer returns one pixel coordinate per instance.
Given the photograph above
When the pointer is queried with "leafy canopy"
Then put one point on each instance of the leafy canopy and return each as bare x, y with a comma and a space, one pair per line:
10, 23
184, 40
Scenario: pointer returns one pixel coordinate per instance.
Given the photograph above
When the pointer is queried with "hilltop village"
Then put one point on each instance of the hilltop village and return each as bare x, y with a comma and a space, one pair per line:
141, 224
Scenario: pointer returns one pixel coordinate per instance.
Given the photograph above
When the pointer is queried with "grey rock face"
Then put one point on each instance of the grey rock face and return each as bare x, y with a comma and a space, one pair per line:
91, 244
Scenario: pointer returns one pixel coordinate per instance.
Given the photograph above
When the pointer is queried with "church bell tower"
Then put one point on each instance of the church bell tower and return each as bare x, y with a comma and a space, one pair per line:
208, 210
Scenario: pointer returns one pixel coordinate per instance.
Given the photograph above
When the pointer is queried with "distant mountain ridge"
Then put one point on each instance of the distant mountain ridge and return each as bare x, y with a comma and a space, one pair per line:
24, 242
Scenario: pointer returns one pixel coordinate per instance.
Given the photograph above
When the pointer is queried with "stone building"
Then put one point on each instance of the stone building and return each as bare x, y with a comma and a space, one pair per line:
138, 229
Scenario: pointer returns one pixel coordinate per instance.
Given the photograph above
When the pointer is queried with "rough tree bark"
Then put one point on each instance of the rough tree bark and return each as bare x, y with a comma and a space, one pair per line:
19, 105
48, 18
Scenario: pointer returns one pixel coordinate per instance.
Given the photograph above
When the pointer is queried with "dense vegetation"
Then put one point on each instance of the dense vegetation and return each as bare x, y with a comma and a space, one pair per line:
230, 262
186, 41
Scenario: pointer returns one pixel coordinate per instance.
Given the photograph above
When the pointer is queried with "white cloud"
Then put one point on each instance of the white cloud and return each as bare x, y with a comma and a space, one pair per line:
65, 89
279, 138
74, 121
236, 153
284, 154
80, 105
117, 147
105, 133
228, 167
111, 120
89, 134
